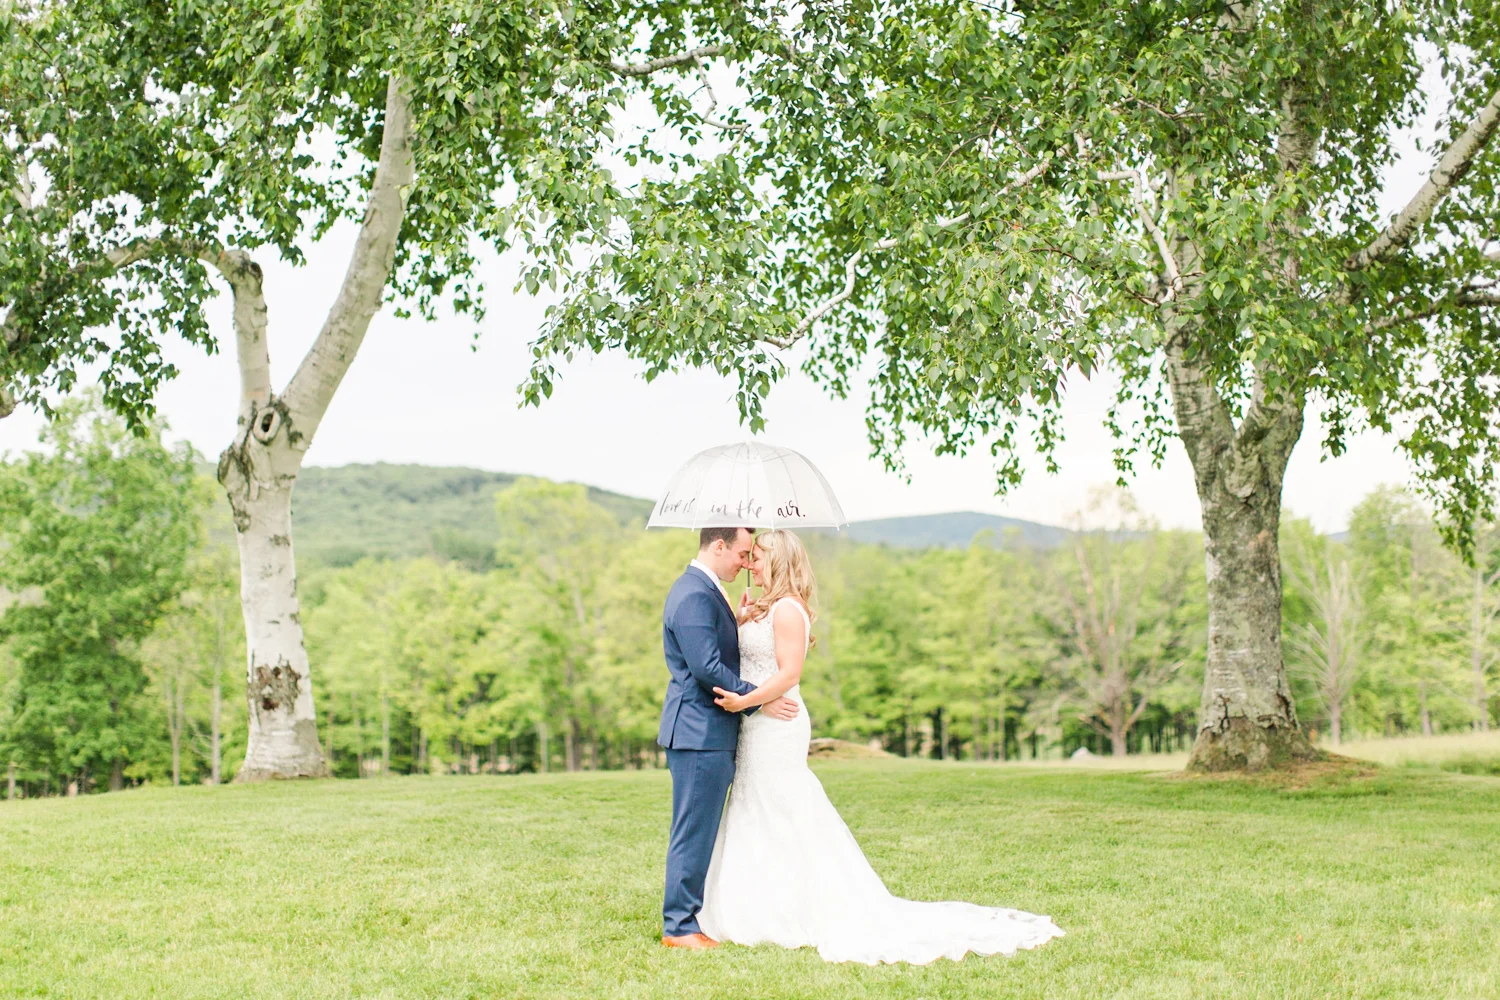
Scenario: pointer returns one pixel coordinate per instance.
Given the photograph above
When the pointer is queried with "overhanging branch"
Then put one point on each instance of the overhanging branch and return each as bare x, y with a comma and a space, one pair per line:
1450, 169
1470, 296
133, 252
235, 266
665, 62
890, 242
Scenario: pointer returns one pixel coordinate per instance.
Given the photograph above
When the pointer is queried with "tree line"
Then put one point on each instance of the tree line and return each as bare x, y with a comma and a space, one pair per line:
122, 648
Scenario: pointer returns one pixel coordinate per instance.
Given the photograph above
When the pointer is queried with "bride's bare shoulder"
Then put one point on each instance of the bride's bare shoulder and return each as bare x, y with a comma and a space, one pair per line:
789, 612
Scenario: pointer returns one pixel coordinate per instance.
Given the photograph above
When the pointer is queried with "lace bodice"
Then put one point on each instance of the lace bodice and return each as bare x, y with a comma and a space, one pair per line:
758, 645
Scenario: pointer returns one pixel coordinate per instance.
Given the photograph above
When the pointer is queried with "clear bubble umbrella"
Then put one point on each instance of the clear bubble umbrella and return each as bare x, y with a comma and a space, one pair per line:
750, 485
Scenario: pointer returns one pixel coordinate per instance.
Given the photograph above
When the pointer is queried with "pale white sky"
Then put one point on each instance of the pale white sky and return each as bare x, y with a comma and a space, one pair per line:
417, 393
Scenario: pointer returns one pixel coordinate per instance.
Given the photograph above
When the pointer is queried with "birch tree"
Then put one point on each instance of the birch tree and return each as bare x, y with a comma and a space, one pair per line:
1330, 647
154, 155
971, 203
1124, 625
1414, 590
558, 543
189, 657
1483, 609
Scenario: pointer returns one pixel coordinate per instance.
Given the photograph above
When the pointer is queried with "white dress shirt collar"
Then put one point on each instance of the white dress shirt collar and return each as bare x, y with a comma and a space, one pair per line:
700, 567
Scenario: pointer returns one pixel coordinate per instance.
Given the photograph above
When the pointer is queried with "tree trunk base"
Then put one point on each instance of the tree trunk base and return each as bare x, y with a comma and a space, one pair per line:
247, 774
299, 755
1244, 746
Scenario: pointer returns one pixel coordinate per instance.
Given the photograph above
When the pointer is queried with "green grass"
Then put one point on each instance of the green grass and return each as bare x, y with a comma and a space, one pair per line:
1417, 751
1381, 886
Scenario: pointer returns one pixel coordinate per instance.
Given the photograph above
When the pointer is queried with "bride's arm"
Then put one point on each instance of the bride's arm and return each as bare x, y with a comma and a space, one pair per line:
790, 631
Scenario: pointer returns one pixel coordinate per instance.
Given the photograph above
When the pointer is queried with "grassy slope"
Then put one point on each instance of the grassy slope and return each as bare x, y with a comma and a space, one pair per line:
549, 886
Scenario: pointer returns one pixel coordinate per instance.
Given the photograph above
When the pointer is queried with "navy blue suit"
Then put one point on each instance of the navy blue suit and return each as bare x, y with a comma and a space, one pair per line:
702, 644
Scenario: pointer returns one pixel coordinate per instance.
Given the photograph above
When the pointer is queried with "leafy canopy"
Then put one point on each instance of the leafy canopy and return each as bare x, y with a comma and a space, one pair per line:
141, 138
968, 202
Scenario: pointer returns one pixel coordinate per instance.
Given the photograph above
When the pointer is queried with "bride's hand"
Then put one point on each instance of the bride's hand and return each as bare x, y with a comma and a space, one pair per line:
731, 702
782, 708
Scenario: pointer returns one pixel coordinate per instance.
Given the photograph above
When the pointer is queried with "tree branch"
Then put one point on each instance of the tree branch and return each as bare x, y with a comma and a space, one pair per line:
236, 266
890, 242
665, 62
1450, 169
138, 250
1143, 207
713, 102
311, 389
1469, 296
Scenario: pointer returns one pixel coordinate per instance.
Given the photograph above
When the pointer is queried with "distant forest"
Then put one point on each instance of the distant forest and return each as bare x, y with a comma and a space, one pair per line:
463, 621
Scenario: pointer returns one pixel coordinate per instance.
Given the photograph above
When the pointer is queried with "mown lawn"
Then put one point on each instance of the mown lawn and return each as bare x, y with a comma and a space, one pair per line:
1382, 886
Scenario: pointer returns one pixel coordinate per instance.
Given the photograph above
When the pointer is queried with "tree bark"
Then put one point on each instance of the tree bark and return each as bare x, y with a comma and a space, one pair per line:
1247, 720
259, 469
283, 728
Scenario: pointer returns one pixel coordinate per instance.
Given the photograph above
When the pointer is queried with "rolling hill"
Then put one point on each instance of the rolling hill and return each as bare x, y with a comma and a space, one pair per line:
388, 511
954, 530
342, 514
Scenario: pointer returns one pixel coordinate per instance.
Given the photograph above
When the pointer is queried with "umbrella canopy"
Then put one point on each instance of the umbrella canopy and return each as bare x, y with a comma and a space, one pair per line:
750, 485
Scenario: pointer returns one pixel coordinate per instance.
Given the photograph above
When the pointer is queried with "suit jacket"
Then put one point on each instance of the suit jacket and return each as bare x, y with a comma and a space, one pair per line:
702, 643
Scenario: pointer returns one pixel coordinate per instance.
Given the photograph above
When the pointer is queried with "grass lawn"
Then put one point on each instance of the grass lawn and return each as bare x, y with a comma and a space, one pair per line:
1385, 885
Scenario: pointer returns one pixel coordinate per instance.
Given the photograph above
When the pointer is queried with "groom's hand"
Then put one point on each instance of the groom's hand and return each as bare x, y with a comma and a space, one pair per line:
782, 708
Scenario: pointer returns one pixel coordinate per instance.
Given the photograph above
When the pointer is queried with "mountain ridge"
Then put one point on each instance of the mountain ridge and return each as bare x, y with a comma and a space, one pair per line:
388, 510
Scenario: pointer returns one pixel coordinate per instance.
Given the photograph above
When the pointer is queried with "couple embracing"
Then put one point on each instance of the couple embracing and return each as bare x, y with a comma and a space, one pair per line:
776, 865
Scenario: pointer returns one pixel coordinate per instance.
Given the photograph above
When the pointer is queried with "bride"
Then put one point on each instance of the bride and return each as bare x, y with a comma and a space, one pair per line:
785, 868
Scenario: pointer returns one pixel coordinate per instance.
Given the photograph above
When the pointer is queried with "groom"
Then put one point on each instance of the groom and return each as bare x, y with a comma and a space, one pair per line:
702, 643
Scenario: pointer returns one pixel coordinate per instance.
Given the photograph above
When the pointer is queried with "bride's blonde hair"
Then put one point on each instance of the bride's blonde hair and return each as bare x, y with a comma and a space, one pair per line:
788, 574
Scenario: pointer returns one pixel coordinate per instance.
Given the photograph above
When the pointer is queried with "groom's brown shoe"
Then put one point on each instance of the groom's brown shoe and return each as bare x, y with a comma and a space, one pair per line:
689, 941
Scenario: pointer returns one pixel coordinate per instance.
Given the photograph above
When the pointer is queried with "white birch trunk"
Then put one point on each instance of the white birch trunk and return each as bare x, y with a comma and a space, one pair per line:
283, 730
259, 469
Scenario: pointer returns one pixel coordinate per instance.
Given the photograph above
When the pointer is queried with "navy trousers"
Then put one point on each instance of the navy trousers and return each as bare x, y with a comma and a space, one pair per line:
700, 780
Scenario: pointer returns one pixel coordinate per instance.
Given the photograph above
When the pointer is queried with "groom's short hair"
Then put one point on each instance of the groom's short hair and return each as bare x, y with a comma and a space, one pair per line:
708, 536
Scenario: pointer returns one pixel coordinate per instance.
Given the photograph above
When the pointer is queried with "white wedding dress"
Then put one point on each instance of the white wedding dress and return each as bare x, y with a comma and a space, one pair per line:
787, 871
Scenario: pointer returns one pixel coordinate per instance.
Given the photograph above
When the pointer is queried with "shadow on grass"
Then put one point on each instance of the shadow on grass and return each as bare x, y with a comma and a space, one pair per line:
1469, 763
1330, 774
